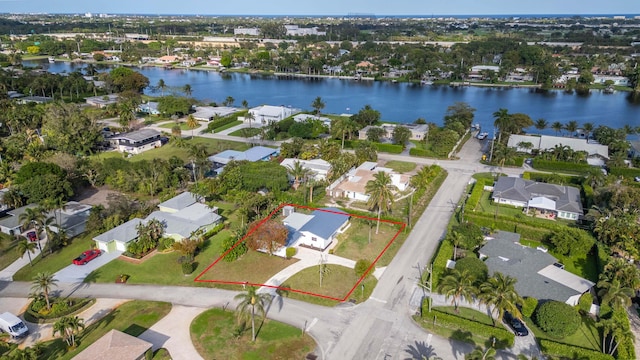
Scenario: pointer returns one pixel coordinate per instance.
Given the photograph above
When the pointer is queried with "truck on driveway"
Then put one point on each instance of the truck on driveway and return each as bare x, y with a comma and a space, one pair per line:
13, 326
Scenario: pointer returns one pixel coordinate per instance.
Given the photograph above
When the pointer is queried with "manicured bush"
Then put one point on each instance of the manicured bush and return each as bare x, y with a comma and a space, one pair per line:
444, 254
36, 312
476, 267
624, 171
571, 352
290, 252
187, 267
389, 148
361, 267
221, 122
165, 243
561, 166
587, 195
471, 233
584, 305
557, 319
529, 306
476, 194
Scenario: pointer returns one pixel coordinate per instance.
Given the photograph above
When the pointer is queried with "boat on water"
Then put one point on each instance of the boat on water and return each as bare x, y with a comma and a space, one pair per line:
51, 59
426, 82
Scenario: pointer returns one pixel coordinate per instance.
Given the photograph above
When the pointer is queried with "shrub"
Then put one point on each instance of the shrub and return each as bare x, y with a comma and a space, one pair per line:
389, 148
529, 306
584, 305
471, 233
361, 267
59, 308
571, 352
220, 122
475, 266
444, 254
291, 251
557, 319
187, 267
476, 194
235, 253
562, 166
165, 243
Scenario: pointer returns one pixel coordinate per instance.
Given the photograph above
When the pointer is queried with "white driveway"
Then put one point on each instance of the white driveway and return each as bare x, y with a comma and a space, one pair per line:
77, 273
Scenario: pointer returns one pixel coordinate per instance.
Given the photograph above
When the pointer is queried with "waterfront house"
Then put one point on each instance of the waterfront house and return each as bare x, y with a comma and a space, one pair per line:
418, 131
352, 185
268, 114
596, 153
305, 117
136, 142
538, 273
256, 153
102, 101
209, 113
548, 200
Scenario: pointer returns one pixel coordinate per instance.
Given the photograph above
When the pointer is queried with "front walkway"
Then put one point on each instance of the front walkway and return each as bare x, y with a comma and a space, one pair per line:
173, 332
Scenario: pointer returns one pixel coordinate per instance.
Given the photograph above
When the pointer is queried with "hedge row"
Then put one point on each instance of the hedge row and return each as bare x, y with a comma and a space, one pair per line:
419, 152
503, 336
78, 304
476, 194
624, 171
561, 166
444, 254
389, 148
571, 352
550, 178
220, 122
534, 232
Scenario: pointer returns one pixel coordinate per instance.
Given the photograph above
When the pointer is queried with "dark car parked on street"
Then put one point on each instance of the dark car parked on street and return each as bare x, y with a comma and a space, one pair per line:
518, 326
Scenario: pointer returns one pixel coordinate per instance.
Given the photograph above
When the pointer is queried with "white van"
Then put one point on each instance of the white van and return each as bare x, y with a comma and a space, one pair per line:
13, 326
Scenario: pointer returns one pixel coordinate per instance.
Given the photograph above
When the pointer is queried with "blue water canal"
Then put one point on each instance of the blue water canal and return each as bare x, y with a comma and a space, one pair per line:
399, 102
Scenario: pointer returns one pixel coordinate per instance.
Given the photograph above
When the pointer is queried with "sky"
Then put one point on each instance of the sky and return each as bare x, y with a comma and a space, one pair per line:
324, 7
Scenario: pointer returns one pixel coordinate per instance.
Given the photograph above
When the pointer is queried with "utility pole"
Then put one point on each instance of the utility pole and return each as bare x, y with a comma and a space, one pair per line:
492, 142
429, 284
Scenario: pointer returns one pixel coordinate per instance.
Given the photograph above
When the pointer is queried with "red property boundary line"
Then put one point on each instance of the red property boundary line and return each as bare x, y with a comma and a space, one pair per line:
267, 218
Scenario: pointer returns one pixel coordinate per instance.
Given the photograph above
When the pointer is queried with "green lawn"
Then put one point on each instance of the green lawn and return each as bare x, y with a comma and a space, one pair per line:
183, 126
161, 354
228, 126
467, 313
400, 166
216, 335
246, 132
57, 261
336, 283
587, 335
133, 318
169, 150
8, 250
354, 243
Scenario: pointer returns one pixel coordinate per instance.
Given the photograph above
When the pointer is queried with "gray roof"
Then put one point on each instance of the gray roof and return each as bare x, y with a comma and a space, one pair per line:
567, 198
12, 220
187, 220
256, 153
123, 233
534, 269
181, 201
208, 112
325, 222
138, 135
547, 142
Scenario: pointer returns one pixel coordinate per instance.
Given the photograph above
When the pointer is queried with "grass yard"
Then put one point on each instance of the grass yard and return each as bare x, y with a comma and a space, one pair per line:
228, 126
216, 335
587, 335
400, 166
56, 262
336, 283
246, 132
169, 150
354, 243
467, 313
161, 354
8, 250
161, 268
253, 267
183, 126
133, 318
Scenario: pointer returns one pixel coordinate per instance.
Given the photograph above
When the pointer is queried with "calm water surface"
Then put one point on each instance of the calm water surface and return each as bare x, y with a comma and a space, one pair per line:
398, 102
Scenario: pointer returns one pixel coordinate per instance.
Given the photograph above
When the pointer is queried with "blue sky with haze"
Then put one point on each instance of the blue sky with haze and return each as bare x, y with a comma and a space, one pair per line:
324, 7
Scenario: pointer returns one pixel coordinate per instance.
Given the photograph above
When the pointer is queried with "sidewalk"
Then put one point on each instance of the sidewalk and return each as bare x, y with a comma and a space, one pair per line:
173, 333
7, 273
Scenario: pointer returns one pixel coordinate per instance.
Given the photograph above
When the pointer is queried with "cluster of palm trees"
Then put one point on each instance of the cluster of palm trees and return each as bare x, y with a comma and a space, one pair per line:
497, 292
68, 327
571, 127
300, 175
36, 218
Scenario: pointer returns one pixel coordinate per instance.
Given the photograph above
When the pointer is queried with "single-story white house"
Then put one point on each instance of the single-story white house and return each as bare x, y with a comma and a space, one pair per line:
256, 153
319, 168
102, 101
305, 117
418, 131
268, 114
136, 142
596, 153
316, 230
208, 113
117, 238
353, 184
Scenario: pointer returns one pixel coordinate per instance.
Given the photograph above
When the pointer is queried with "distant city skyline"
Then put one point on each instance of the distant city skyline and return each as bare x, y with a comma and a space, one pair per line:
326, 7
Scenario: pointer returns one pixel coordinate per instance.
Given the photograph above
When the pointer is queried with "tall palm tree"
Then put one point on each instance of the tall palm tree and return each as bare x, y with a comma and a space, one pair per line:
342, 127
380, 191
298, 172
424, 176
161, 86
456, 239
502, 118
251, 303
43, 282
541, 124
588, 129
192, 123
615, 294
31, 217
571, 127
229, 101
187, 90
68, 327
457, 285
499, 291
25, 246
245, 104
317, 105
557, 127
481, 354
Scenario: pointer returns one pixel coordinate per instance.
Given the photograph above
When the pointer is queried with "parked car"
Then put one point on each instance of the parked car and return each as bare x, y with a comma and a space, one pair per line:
13, 326
32, 236
518, 326
87, 256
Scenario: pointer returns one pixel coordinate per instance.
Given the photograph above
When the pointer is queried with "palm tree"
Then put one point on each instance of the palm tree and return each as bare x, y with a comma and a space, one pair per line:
424, 176
43, 282
187, 90
380, 191
32, 217
502, 118
249, 116
229, 101
13, 198
343, 126
192, 123
250, 303
557, 127
298, 172
457, 285
571, 127
481, 354
318, 104
68, 327
245, 104
456, 239
499, 292
541, 124
161, 85
588, 129
25, 246
615, 294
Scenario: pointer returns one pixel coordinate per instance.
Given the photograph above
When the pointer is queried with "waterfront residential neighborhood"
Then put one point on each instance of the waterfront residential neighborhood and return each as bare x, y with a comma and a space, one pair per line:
337, 186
